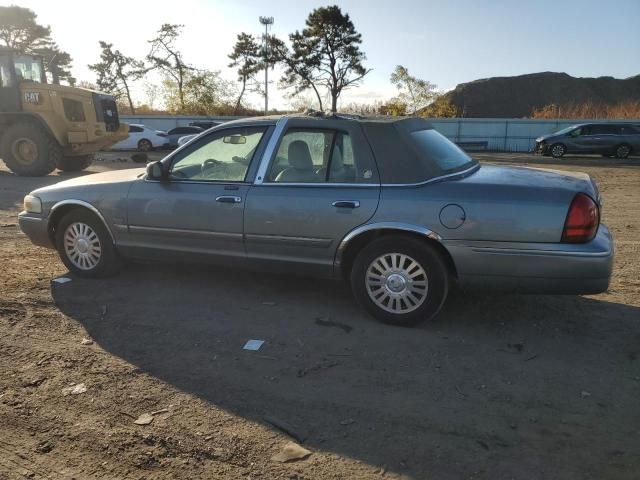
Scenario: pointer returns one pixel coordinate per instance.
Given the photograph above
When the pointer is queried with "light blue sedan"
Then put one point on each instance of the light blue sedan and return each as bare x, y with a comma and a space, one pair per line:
387, 204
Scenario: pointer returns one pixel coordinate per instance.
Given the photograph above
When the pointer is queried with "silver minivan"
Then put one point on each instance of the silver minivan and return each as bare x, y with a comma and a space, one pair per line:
607, 139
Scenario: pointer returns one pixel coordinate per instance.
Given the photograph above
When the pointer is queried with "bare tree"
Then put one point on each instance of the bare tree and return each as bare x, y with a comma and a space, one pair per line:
165, 57
246, 57
115, 72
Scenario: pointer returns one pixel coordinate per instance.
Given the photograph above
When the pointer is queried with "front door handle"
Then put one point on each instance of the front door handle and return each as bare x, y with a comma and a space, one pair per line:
346, 204
229, 199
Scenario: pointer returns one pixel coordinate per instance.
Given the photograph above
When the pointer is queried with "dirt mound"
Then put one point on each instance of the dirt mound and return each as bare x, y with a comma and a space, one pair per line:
515, 97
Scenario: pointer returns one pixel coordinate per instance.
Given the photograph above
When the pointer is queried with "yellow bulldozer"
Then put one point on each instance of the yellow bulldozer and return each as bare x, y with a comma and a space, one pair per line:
45, 126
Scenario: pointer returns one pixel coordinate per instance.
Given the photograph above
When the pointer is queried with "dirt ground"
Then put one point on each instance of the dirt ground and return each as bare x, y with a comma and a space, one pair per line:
498, 387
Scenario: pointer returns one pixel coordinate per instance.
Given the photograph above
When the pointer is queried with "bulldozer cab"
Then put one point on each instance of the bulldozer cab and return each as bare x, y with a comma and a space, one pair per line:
17, 68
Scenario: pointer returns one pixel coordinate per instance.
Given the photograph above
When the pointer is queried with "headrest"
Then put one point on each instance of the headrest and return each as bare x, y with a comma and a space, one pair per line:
299, 155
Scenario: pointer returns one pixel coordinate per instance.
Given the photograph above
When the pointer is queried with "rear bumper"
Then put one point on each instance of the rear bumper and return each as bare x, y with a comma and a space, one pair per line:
536, 268
81, 143
36, 228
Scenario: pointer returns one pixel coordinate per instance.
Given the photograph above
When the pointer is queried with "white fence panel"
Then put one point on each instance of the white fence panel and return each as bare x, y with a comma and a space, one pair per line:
501, 134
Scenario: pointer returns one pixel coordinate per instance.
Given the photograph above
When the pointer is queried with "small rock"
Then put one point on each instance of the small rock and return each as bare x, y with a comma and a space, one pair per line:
74, 390
86, 341
144, 419
585, 394
291, 452
348, 421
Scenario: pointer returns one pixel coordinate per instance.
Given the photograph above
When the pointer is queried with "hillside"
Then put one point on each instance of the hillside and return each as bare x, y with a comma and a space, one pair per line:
514, 97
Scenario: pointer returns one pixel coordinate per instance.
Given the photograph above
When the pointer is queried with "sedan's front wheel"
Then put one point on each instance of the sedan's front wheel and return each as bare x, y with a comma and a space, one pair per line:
558, 150
85, 246
145, 145
400, 280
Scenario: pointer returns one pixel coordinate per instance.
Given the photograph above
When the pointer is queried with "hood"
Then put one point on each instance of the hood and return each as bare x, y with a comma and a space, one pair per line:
115, 176
546, 137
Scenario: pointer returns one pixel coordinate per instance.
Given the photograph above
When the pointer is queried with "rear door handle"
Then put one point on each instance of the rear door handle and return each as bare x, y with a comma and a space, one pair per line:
346, 204
229, 199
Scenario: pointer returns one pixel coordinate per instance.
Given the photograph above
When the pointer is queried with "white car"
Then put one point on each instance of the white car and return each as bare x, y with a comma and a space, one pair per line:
142, 138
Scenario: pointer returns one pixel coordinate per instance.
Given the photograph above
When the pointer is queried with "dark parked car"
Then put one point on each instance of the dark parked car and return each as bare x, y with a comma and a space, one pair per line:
608, 139
205, 125
175, 134
388, 204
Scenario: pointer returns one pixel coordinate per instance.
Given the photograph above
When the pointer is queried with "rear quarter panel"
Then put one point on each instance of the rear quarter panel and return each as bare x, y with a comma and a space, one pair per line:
500, 204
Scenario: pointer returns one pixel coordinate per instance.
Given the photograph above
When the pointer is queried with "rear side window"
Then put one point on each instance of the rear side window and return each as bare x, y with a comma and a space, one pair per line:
318, 156
605, 130
134, 129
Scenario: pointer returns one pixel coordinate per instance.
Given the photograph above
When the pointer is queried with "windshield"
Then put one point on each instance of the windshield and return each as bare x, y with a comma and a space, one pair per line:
439, 149
28, 68
566, 130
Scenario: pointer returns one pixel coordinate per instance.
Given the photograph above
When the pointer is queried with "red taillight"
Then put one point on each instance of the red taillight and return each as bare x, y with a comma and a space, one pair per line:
582, 220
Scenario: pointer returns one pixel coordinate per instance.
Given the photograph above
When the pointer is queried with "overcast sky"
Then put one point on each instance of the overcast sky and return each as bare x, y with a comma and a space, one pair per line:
445, 42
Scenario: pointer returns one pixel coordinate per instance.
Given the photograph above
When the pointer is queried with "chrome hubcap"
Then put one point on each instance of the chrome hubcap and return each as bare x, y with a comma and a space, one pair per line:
396, 283
82, 246
558, 150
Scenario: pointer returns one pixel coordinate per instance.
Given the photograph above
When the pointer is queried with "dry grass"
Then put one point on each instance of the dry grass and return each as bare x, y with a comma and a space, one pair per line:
625, 110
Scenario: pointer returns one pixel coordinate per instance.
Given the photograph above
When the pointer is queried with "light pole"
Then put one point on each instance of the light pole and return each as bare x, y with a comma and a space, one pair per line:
267, 22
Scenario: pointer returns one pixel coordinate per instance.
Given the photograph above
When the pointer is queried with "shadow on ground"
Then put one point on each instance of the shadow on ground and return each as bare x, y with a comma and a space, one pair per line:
497, 387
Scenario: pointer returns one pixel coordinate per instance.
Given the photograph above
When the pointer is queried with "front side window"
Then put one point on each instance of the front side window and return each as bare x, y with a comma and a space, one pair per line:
317, 156
5, 72
28, 68
435, 147
566, 130
223, 156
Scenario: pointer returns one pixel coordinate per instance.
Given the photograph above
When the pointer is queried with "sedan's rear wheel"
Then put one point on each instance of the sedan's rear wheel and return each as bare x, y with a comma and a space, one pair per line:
623, 151
558, 150
400, 280
85, 246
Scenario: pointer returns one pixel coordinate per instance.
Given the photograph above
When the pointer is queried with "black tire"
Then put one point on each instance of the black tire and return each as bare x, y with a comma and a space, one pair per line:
145, 145
28, 150
109, 262
427, 257
623, 151
557, 150
75, 164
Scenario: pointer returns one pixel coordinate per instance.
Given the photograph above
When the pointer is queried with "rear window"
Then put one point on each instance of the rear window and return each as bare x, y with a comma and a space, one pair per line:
437, 148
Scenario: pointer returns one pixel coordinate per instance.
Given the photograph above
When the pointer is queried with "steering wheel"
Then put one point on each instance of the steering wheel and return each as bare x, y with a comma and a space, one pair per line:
210, 163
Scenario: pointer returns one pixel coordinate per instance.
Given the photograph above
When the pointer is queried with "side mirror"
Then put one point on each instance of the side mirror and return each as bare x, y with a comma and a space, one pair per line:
156, 171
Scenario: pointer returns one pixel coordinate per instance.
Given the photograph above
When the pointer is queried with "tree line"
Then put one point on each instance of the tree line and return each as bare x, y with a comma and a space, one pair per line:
319, 63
